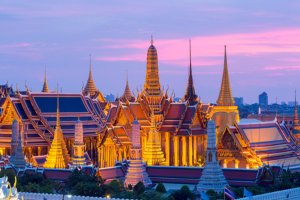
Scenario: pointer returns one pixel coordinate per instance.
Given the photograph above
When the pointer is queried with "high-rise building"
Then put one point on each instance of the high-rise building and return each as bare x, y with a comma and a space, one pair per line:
263, 100
238, 101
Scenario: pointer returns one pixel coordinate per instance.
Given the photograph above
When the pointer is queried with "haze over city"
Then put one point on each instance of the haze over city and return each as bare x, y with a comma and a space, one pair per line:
263, 45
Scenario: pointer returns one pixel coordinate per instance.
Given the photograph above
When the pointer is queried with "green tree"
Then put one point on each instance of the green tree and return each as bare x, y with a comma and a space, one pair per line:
183, 194
160, 188
139, 188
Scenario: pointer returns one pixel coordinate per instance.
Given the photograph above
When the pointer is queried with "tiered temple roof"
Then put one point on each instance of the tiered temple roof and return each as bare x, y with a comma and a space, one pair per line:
37, 114
272, 142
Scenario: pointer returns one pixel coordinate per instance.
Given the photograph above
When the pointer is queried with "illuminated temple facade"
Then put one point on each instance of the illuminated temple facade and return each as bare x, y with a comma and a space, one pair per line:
171, 133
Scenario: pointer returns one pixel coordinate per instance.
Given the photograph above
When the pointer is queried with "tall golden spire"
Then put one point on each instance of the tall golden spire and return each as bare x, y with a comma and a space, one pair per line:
190, 94
296, 126
45, 85
58, 156
225, 96
90, 87
152, 85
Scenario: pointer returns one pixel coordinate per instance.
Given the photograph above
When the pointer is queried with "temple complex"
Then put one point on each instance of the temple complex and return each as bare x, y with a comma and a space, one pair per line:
171, 133
136, 171
212, 177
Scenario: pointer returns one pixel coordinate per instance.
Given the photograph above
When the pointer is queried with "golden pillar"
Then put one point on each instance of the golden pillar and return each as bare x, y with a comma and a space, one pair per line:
184, 150
176, 150
190, 150
225, 163
39, 151
167, 148
236, 163
195, 149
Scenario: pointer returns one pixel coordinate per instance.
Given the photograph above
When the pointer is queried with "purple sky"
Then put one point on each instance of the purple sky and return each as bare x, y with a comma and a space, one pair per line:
262, 38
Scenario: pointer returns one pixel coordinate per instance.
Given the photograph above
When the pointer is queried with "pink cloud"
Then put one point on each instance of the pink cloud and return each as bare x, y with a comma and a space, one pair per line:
210, 48
282, 68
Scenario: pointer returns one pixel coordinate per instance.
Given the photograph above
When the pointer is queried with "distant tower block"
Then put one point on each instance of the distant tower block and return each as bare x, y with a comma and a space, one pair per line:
14, 137
153, 153
78, 154
17, 159
136, 171
212, 175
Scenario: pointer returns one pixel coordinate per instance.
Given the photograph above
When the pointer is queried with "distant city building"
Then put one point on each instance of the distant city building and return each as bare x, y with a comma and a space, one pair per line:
239, 101
292, 103
263, 99
177, 99
110, 97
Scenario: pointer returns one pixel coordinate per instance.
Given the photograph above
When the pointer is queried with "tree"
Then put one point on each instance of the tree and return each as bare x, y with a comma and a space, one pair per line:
183, 194
160, 188
139, 188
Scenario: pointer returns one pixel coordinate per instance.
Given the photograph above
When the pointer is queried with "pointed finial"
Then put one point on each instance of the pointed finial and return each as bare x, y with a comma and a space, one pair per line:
57, 109
151, 41
190, 55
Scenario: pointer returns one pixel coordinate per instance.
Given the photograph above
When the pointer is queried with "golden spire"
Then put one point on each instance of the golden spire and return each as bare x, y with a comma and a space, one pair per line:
58, 156
225, 96
190, 94
45, 85
296, 127
90, 87
152, 85
127, 95
153, 154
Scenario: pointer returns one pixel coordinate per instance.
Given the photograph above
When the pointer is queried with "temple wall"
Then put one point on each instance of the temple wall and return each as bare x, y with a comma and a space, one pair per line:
39, 196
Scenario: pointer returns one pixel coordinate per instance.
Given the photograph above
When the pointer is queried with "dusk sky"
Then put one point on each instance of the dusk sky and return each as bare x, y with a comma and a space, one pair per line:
262, 38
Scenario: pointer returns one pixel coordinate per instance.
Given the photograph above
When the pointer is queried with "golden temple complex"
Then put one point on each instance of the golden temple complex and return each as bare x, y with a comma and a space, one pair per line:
171, 133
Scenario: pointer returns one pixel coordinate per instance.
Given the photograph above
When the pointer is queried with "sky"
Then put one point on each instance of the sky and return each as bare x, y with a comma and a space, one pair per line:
262, 38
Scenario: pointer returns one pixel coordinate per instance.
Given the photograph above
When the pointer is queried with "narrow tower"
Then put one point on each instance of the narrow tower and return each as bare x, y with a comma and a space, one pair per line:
78, 154
225, 112
45, 85
212, 177
190, 94
225, 95
14, 137
127, 95
17, 158
136, 171
296, 126
58, 156
90, 87
152, 89
153, 154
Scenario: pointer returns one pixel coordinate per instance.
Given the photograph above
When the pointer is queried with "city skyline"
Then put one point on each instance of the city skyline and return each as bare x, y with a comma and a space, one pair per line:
262, 45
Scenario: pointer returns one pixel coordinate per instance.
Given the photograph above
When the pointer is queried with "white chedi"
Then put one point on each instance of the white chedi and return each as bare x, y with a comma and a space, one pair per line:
6, 191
